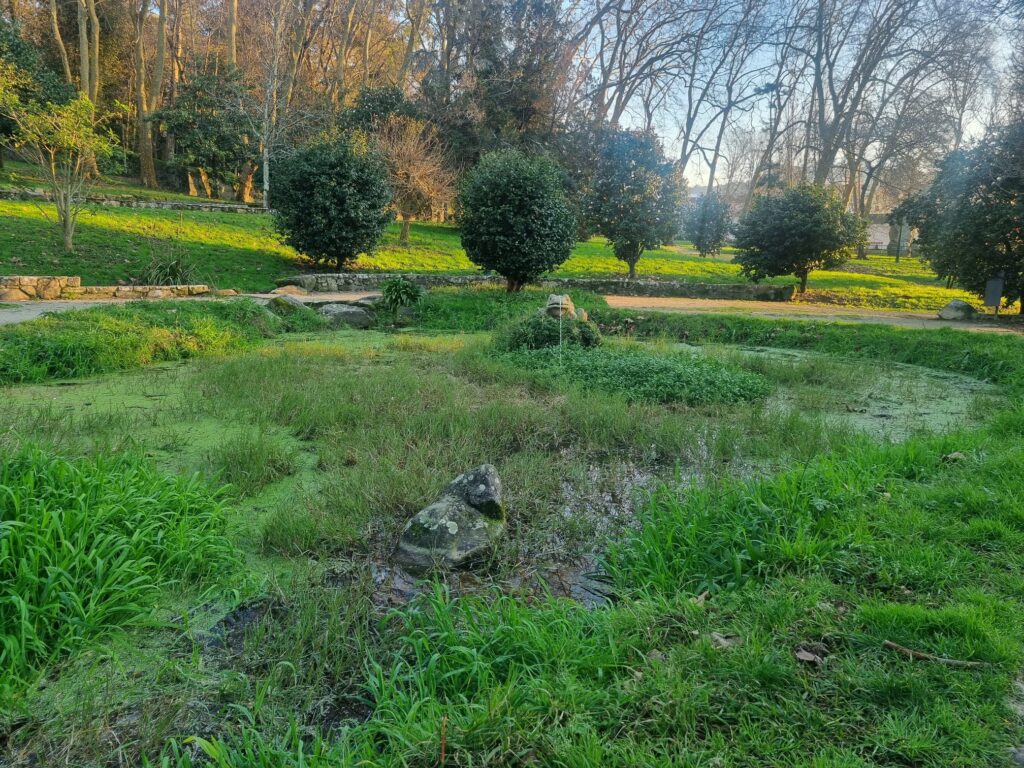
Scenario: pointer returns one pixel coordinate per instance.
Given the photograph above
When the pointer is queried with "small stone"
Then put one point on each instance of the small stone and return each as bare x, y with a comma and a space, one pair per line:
48, 288
582, 315
957, 310
340, 315
225, 292
284, 304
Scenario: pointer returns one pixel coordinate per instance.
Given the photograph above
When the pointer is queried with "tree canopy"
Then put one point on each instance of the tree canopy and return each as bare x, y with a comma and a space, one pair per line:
794, 232
635, 196
970, 220
514, 218
331, 200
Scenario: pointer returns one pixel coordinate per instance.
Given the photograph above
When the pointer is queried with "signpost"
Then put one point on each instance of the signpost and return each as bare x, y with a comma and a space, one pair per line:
994, 291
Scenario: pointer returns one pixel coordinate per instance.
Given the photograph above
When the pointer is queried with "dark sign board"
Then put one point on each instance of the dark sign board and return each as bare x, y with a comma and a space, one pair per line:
994, 291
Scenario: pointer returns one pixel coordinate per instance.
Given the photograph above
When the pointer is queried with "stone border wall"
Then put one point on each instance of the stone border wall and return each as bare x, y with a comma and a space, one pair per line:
28, 287
368, 281
136, 202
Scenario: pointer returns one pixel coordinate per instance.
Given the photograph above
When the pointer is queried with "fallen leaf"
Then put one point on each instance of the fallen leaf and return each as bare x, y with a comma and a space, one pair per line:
699, 599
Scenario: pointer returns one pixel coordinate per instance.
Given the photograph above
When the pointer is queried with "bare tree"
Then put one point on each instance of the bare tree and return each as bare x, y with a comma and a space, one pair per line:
419, 171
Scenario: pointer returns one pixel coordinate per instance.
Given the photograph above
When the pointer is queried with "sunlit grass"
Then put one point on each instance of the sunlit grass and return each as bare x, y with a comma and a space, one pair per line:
242, 251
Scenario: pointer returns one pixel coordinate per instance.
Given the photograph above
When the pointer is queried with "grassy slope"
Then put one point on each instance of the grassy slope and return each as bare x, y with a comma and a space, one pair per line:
20, 175
240, 251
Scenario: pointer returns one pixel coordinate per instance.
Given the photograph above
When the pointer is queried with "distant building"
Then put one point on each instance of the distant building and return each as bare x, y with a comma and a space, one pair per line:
884, 237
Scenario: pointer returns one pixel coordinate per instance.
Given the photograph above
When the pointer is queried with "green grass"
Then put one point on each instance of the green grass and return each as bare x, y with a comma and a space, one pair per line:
110, 338
830, 562
86, 548
641, 375
809, 535
242, 252
998, 358
20, 175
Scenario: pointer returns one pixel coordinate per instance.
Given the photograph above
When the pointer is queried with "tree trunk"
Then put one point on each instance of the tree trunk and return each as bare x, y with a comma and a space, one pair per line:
404, 237
245, 183
59, 39
94, 53
513, 286
803, 282
66, 218
83, 49
204, 179
147, 164
232, 33
193, 191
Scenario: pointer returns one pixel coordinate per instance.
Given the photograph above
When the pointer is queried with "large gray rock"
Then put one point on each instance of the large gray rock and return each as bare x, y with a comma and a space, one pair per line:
957, 310
346, 315
460, 527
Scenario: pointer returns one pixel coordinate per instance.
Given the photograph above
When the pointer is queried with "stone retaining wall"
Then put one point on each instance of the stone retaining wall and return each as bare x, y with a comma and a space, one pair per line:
135, 202
25, 288
369, 281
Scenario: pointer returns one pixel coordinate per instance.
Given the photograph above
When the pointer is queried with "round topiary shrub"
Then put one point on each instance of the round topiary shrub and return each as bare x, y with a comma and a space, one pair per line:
514, 217
542, 331
331, 201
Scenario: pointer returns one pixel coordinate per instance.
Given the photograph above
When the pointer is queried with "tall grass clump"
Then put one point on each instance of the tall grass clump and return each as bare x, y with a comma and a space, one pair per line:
253, 459
112, 338
85, 547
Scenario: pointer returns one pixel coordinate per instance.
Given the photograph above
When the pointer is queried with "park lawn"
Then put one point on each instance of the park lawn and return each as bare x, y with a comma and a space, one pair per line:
17, 174
241, 251
767, 554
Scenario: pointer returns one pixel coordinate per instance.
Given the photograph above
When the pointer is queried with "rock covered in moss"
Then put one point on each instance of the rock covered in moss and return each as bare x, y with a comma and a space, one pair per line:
460, 527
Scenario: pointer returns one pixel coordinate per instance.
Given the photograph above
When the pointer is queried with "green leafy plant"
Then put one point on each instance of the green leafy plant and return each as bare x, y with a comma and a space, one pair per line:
636, 194
706, 224
514, 217
398, 293
86, 546
175, 270
793, 233
539, 331
970, 220
642, 375
331, 200
104, 339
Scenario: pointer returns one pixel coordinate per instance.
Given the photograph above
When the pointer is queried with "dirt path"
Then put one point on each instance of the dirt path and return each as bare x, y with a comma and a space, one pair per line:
796, 311
30, 310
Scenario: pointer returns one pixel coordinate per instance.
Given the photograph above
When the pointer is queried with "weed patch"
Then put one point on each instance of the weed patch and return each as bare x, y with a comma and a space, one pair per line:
86, 546
995, 357
641, 375
112, 338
